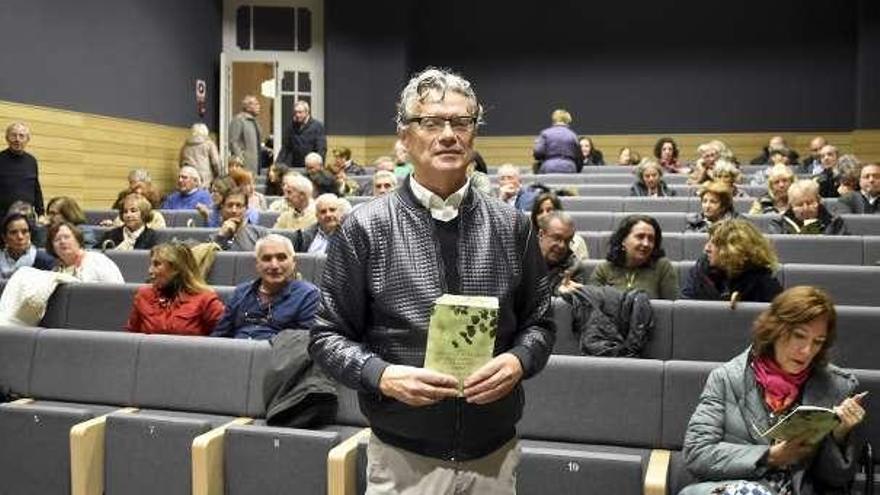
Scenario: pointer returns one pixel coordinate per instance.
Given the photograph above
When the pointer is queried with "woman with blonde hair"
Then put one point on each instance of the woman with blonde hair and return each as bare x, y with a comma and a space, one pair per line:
177, 299
716, 205
134, 233
557, 148
199, 151
779, 177
702, 170
66, 209
729, 173
786, 366
737, 265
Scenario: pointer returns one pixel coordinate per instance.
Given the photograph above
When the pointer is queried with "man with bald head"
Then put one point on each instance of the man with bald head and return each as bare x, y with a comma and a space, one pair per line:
812, 164
775, 143
19, 174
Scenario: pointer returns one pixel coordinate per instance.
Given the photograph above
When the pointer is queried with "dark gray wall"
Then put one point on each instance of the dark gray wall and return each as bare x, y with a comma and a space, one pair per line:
126, 58
868, 89
619, 67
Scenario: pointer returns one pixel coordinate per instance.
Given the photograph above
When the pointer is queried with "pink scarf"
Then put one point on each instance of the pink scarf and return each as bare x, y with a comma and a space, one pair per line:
780, 388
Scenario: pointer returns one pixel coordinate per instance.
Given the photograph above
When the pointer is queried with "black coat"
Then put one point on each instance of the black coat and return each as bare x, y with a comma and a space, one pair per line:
299, 141
827, 224
755, 284
146, 240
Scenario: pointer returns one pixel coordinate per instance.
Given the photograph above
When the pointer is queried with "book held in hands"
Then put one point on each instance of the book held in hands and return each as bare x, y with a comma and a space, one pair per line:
461, 334
810, 422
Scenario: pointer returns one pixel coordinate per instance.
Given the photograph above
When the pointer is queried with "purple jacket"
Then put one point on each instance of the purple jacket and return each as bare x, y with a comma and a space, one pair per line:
558, 151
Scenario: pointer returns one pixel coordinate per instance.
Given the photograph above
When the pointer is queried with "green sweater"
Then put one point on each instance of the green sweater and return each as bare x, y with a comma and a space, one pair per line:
659, 281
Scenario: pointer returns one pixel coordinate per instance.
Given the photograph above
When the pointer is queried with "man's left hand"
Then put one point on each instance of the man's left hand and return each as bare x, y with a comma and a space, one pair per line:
493, 380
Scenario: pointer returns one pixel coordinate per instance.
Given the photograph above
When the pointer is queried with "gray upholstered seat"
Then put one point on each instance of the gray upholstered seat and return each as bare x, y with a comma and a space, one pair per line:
854, 285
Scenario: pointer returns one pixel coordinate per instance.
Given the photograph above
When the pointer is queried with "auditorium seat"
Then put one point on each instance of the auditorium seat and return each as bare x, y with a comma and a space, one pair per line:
854, 285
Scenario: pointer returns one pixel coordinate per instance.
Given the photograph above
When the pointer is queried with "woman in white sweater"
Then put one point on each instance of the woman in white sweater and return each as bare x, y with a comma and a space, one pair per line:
65, 243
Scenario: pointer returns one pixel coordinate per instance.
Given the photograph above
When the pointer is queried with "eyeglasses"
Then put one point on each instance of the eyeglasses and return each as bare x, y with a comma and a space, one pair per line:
461, 124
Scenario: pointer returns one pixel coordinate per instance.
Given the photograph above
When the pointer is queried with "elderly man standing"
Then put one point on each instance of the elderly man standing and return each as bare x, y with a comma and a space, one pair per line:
19, 172
867, 198
189, 192
329, 212
275, 301
302, 136
392, 258
297, 205
245, 134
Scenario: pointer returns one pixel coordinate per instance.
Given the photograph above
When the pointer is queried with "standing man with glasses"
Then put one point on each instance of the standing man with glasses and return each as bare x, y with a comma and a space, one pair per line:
392, 258
275, 301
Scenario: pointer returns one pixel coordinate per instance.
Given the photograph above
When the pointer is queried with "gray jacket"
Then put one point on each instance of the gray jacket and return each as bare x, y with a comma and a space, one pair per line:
721, 444
244, 139
384, 270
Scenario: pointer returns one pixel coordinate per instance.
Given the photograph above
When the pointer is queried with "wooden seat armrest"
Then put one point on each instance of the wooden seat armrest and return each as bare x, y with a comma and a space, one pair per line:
87, 454
207, 459
342, 465
658, 472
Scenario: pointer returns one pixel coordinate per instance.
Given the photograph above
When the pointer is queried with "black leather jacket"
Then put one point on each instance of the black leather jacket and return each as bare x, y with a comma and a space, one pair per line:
383, 272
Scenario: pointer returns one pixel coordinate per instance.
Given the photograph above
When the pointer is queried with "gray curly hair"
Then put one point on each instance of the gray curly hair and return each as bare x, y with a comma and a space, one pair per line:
425, 84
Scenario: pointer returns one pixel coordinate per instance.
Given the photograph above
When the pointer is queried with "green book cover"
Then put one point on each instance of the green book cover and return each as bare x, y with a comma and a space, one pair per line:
461, 335
805, 421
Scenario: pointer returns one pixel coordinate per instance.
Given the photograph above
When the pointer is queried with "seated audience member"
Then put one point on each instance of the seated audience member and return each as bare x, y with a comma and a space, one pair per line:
244, 180
557, 147
666, 153
200, 152
779, 178
828, 178
177, 300
785, 366
237, 233
848, 168
234, 162
345, 185
275, 301
592, 156
65, 242
322, 180
275, 180
66, 209
737, 265
547, 203
649, 180
555, 232
139, 181
636, 260
342, 159
511, 190
702, 169
329, 212
385, 163
189, 193
806, 214
18, 251
134, 232
626, 156
864, 200
299, 207
729, 173
402, 165
779, 157
38, 230
211, 215
716, 203
775, 143
383, 183
812, 163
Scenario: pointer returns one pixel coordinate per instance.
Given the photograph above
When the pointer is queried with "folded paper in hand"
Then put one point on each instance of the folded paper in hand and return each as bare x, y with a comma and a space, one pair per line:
810, 422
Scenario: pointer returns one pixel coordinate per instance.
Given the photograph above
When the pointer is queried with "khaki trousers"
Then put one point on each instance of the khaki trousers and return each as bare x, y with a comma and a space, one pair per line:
394, 471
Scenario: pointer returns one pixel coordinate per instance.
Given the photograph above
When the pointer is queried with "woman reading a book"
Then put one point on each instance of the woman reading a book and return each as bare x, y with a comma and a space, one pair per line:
785, 367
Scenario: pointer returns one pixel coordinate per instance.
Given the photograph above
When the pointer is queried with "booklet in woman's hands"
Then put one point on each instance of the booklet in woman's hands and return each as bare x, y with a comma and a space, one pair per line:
461, 334
809, 422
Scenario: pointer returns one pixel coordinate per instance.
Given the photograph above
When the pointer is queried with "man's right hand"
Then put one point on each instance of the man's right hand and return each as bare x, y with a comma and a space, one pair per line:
230, 227
417, 386
506, 191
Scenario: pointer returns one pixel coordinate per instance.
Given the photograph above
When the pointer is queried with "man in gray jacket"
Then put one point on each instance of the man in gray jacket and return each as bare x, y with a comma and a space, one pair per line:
388, 263
245, 134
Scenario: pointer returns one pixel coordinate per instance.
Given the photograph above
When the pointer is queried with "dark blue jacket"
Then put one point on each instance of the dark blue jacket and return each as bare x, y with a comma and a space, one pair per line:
293, 307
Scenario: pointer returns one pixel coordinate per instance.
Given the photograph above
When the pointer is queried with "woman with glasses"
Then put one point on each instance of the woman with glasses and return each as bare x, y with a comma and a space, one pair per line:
177, 300
557, 148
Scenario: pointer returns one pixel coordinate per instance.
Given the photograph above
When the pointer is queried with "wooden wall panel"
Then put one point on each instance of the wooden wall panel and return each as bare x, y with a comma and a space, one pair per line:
88, 156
